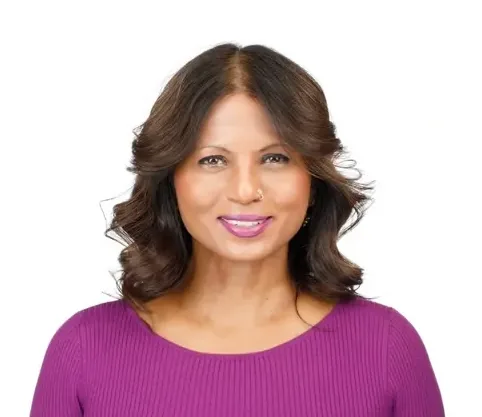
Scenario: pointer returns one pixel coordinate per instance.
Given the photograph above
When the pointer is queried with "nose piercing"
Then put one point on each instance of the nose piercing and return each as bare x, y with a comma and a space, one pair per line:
260, 194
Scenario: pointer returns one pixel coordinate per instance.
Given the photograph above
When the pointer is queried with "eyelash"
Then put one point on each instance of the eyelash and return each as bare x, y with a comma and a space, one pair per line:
283, 159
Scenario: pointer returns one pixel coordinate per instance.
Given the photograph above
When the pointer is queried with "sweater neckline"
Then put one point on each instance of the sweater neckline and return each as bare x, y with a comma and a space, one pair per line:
325, 324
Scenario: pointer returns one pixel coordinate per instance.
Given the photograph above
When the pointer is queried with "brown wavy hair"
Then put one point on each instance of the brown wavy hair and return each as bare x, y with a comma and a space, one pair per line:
157, 246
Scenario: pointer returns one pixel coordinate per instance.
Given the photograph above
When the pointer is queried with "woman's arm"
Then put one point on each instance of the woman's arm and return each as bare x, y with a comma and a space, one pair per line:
57, 390
411, 378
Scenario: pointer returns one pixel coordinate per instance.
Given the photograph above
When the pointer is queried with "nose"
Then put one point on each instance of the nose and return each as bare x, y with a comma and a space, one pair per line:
244, 185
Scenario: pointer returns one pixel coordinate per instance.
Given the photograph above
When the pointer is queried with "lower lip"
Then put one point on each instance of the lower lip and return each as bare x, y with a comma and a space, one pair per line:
245, 232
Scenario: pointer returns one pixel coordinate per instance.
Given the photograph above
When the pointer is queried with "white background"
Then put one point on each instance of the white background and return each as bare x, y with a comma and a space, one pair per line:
403, 83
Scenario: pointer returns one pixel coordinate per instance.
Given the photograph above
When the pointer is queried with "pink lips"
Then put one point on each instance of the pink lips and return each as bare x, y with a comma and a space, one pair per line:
246, 225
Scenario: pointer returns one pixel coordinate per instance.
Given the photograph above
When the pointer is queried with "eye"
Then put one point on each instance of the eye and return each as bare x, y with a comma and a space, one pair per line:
213, 161
275, 158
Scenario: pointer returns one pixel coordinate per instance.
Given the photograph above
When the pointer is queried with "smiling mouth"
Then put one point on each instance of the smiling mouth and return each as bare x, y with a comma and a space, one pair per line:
246, 227
243, 223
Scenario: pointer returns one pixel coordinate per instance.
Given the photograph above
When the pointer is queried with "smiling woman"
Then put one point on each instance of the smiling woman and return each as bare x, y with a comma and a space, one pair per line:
235, 300
232, 121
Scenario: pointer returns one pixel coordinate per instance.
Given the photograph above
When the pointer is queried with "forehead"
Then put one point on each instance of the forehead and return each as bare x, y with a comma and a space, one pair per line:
237, 118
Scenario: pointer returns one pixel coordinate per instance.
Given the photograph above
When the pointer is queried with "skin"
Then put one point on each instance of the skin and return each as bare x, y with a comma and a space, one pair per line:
239, 297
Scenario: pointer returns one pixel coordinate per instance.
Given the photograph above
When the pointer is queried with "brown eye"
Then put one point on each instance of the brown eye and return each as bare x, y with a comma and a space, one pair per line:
275, 158
213, 161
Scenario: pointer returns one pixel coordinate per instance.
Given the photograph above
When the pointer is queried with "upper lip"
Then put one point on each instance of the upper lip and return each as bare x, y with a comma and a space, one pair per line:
244, 217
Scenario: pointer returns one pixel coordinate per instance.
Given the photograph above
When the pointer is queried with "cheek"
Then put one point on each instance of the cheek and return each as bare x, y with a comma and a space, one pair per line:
293, 191
195, 194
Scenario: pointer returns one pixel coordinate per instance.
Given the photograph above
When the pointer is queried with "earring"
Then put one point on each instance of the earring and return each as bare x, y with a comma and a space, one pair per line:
307, 219
260, 194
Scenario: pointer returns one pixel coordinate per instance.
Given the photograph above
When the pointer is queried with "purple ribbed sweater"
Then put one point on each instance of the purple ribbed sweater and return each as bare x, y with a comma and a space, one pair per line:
362, 360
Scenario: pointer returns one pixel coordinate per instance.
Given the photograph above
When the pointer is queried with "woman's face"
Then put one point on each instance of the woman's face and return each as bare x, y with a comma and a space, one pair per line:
217, 186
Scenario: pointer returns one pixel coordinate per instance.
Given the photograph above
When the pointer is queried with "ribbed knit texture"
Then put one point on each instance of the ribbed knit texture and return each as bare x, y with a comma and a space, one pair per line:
362, 360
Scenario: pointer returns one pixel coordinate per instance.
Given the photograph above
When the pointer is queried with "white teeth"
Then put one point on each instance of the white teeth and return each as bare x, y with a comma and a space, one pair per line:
240, 223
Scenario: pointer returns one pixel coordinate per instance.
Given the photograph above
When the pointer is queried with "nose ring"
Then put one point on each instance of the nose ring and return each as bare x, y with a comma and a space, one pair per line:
260, 194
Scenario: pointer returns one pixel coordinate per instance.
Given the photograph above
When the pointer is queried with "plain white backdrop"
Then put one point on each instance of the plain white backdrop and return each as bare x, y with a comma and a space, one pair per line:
403, 84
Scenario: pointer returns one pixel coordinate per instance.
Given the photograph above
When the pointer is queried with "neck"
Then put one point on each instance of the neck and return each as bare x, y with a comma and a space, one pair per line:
223, 291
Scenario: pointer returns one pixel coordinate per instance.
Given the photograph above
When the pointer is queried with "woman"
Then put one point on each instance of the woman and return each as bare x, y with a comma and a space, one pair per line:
235, 298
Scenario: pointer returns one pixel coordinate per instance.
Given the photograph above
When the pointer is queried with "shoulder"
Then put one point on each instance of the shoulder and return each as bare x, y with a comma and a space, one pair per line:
398, 328
368, 317
61, 382
89, 333
405, 355
109, 313
86, 322
366, 313
367, 310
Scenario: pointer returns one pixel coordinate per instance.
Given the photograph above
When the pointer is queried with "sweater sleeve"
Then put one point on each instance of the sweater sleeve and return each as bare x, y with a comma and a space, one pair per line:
411, 377
57, 390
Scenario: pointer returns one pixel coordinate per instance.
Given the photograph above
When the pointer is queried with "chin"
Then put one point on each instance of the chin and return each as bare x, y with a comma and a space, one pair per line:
245, 253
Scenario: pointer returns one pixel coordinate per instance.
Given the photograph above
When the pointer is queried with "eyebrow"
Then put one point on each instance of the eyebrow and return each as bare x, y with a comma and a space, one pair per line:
272, 145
